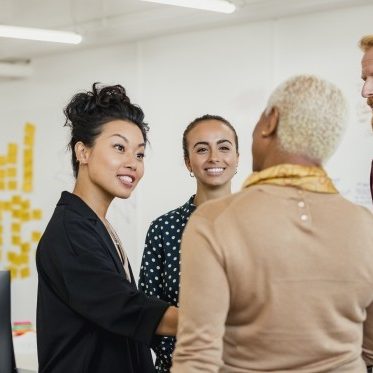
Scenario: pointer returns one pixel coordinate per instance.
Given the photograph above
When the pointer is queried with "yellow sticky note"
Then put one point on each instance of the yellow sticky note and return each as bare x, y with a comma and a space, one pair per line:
13, 271
1, 229
16, 213
16, 240
16, 199
25, 272
27, 187
25, 247
25, 204
37, 214
12, 257
29, 128
12, 185
12, 148
27, 175
2, 185
12, 159
12, 153
28, 140
2, 173
15, 227
2, 160
23, 258
27, 153
25, 215
11, 172
36, 235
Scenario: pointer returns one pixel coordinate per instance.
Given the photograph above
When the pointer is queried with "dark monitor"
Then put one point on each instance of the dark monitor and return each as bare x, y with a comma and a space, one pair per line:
7, 361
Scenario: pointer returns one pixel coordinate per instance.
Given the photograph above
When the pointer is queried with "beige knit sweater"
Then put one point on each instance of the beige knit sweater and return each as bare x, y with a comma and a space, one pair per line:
274, 279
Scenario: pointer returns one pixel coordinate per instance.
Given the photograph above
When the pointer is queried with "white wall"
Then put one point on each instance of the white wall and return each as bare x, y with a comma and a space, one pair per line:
228, 71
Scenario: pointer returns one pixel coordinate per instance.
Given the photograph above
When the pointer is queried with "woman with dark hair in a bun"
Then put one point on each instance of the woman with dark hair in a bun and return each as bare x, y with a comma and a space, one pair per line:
90, 316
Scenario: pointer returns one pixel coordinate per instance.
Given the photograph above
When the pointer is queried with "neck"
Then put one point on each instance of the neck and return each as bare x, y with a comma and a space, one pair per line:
283, 158
204, 193
98, 201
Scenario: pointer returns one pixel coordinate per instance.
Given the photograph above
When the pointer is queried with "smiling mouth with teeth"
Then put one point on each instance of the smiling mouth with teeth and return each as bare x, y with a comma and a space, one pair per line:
215, 170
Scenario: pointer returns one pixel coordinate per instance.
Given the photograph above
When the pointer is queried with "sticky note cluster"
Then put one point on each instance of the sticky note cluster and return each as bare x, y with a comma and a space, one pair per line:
16, 212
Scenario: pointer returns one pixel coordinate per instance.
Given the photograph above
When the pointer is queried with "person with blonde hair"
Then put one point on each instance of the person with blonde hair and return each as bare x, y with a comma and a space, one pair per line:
278, 277
366, 45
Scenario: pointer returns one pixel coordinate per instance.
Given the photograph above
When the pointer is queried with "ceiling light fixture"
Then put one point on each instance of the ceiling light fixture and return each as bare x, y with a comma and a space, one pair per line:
222, 6
39, 34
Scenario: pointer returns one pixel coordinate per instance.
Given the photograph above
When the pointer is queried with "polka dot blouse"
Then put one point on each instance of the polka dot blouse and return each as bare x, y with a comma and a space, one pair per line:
160, 269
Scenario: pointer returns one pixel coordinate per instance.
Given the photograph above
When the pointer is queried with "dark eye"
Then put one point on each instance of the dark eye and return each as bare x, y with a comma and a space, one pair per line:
140, 156
225, 148
119, 147
202, 150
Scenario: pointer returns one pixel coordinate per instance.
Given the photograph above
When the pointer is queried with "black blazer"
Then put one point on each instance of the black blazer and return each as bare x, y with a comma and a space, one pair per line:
89, 317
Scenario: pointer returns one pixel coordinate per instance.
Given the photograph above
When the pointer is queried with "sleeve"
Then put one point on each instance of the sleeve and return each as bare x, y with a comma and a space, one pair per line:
152, 284
99, 293
151, 271
204, 301
368, 337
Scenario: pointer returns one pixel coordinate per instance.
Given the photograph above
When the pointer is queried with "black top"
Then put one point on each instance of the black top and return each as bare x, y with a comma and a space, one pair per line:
160, 268
90, 318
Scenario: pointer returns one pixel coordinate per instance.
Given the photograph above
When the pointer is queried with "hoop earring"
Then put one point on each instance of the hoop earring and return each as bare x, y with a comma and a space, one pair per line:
236, 171
191, 173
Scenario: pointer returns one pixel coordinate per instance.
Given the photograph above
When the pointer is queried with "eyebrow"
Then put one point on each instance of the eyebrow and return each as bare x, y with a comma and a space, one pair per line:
126, 140
206, 143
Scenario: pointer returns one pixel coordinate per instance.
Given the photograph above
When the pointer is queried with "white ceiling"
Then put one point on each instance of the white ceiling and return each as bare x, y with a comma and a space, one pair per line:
103, 22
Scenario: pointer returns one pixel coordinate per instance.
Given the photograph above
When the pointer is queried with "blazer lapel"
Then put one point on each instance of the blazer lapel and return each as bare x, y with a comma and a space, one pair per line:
102, 231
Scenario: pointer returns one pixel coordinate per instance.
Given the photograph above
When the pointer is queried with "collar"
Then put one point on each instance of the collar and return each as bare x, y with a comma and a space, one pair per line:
313, 179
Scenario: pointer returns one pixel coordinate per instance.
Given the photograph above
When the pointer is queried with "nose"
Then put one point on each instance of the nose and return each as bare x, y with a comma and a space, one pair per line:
130, 162
367, 90
214, 155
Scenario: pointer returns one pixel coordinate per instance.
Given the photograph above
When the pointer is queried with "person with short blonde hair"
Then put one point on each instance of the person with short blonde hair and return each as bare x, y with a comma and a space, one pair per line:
278, 277
296, 100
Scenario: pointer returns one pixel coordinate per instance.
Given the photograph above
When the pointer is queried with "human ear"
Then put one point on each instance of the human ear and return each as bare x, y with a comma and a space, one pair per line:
271, 122
187, 164
81, 152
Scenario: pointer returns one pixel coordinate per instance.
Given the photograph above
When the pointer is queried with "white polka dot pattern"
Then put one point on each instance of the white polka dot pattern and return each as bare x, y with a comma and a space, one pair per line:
160, 269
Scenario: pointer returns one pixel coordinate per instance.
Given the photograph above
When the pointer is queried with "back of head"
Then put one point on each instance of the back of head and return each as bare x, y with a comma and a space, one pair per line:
87, 112
366, 42
312, 116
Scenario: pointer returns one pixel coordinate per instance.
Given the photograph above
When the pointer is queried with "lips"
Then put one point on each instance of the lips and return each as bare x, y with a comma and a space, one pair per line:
214, 171
370, 102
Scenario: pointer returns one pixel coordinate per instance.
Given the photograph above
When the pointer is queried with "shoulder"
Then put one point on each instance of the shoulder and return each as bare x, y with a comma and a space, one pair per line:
176, 215
72, 224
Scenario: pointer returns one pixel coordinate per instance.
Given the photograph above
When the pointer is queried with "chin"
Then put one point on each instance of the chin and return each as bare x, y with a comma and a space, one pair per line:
124, 195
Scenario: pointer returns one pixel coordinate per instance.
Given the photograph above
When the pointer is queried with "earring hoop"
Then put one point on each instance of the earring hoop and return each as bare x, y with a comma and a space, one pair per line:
191, 173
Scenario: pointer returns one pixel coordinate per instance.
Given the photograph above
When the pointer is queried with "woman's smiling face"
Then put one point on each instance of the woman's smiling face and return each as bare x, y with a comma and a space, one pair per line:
212, 153
114, 164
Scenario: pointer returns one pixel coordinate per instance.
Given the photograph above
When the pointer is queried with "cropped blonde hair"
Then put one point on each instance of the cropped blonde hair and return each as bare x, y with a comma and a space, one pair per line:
366, 42
312, 116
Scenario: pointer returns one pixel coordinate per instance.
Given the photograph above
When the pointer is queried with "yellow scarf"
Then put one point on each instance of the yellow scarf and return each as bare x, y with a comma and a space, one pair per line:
313, 179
